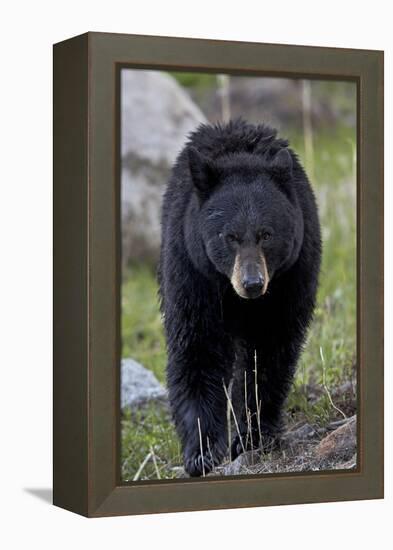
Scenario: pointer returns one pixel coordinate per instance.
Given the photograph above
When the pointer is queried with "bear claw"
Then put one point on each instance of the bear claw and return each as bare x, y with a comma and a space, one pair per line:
268, 443
199, 465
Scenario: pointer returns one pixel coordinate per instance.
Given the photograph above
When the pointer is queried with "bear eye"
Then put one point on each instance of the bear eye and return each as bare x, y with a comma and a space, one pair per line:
232, 238
266, 236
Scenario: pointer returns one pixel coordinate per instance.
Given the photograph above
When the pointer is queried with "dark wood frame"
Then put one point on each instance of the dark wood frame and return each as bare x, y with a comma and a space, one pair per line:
86, 273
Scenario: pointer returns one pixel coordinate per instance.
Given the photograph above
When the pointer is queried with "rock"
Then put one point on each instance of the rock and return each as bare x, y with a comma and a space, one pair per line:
348, 387
139, 386
240, 465
301, 451
336, 424
304, 432
348, 465
179, 472
156, 117
341, 443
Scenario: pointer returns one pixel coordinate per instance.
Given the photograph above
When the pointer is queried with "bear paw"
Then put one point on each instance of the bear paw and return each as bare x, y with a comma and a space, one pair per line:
267, 444
197, 465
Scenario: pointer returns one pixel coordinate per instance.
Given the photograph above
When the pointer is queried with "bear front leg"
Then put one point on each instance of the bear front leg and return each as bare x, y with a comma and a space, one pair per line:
283, 332
200, 362
276, 364
244, 400
198, 403
267, 375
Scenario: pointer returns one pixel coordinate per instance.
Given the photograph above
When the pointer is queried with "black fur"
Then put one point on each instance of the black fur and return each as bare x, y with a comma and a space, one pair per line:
230, 185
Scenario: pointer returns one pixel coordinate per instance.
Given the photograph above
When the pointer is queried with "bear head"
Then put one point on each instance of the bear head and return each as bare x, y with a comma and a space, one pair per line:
249, 218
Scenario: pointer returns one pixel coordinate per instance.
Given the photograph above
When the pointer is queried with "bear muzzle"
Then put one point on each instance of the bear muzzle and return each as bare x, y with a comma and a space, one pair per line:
250, 277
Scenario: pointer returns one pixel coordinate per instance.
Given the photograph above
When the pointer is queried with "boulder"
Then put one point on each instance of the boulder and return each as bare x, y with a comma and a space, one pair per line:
341, 443
139, 386
302, 433
156, 117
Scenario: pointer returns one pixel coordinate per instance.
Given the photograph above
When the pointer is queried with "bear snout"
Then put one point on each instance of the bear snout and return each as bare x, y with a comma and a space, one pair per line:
253, 284
250, 278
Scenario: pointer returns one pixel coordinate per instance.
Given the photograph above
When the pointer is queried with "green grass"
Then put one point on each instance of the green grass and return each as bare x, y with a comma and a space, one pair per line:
195, 80
145, 431
142, 334
333, 329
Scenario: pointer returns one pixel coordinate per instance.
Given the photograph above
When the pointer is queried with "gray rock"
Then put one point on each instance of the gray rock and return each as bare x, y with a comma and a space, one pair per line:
301, 450
341, 443
179, 472
304, 432
348, 387
156, 117
139, 386
240, 465
348, 465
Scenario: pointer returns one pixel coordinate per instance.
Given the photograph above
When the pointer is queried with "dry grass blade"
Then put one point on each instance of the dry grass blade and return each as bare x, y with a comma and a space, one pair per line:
307, 127
224, 93
155, 462
325, 385
201, 447
248, 418
140, 469
229, 427
257, 402
245, 403
229, 401
211, 454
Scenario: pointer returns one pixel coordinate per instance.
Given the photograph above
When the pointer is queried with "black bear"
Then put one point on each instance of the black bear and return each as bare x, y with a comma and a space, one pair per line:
238, 276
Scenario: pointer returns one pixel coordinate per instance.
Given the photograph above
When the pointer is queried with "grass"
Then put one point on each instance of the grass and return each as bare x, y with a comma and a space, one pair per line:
333, 330
194, 80
146, 430
142, 334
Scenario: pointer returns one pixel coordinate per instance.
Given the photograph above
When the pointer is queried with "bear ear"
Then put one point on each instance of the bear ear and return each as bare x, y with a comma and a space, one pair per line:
203, 172
260, 145
281, 165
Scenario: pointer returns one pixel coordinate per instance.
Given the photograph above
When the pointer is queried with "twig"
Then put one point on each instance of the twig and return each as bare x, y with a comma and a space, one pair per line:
256, 400
325, 385
234, 417
201, 446
245, 403
223, 90
210, 452
307, 127
155, 462
229, 428
140, 469
248, 416
249, 429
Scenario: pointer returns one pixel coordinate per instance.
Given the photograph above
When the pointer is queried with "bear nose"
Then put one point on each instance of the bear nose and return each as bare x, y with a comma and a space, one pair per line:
253, 283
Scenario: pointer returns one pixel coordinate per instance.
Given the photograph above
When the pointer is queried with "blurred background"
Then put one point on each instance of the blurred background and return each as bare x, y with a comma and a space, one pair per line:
158, 110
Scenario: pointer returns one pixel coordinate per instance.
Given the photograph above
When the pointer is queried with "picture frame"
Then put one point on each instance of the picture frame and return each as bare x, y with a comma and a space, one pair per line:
86, 388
